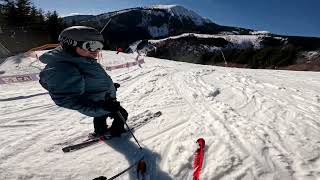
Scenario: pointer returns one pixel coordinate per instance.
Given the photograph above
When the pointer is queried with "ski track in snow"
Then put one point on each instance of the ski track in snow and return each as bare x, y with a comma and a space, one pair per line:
258, 124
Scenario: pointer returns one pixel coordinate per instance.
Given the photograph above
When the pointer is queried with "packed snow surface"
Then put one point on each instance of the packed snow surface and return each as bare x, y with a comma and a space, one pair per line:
258, 124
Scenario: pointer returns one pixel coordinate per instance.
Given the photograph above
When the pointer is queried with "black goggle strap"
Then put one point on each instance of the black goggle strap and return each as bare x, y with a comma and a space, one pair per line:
91, 45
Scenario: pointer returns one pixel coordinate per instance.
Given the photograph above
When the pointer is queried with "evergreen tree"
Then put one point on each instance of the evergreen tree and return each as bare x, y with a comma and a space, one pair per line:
23, 12
73, 23
1, 17
8, 13
36, 18
54, 24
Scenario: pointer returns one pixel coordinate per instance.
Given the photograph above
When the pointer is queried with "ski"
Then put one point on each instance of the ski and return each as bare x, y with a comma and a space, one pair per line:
84, 144
90, 142
122, 172
141, 170
198, 159
93, 141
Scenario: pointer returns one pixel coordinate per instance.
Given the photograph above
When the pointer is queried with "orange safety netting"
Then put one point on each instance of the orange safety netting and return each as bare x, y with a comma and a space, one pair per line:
44, 47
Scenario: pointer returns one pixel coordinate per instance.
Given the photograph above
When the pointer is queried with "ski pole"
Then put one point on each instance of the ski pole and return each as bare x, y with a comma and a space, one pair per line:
122, 118
105, 25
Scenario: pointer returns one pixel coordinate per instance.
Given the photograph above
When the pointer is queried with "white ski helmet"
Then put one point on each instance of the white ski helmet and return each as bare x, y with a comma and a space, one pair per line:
81, 36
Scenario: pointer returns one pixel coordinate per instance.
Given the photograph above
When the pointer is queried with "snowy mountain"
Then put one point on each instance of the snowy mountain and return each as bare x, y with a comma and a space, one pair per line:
158, 21
155, 11
258, 124
76, 18
181, 12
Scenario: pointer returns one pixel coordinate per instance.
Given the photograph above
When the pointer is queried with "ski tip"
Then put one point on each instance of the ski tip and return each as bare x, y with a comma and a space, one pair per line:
142, 166
158, 114
65, 150
100, 178
201, 142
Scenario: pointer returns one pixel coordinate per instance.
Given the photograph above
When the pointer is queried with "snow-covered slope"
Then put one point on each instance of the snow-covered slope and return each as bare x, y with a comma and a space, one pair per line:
236, 41
258, 124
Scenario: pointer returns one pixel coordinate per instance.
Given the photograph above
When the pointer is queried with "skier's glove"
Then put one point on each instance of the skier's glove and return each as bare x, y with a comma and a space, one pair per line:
116, 85
112, 105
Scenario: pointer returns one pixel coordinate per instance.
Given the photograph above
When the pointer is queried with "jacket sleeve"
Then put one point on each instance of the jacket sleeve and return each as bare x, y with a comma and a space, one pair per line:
66, 86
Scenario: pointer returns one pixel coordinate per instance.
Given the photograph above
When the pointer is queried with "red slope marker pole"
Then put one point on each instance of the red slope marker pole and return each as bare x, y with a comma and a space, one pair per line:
198, 159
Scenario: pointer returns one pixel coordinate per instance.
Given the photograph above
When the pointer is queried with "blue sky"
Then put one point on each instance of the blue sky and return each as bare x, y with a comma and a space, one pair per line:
287, 17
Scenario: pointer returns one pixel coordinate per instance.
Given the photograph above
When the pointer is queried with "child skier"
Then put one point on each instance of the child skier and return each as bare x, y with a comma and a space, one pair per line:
75, 80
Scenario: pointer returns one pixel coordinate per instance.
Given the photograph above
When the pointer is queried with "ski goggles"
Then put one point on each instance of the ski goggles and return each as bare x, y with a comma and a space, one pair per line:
91, 45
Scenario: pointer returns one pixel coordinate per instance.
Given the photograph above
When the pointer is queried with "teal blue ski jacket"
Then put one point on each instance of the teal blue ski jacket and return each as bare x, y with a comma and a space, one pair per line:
76, 83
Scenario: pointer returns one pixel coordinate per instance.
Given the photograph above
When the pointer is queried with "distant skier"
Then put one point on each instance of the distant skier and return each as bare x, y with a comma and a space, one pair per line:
75, 80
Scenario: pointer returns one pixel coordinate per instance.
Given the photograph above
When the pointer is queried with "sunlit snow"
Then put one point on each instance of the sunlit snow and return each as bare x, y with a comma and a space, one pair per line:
258, 124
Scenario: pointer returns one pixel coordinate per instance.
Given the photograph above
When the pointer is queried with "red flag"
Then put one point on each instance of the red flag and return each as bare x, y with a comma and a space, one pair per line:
198, 159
